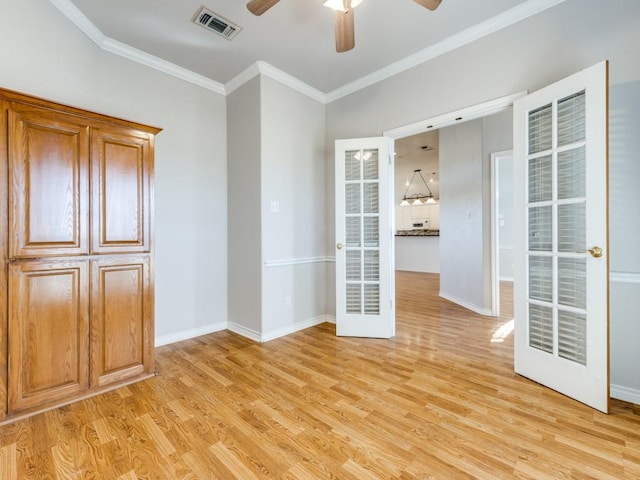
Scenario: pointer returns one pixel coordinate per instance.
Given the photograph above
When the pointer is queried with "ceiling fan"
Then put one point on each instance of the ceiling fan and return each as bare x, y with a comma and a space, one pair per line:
344, 24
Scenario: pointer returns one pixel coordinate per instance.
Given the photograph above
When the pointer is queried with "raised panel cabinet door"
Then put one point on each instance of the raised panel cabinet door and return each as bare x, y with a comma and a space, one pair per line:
48, 182
48, 331
121, 164
121, 319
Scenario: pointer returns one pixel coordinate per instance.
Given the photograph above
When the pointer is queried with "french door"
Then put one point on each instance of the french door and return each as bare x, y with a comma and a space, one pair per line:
561, 261
364, 238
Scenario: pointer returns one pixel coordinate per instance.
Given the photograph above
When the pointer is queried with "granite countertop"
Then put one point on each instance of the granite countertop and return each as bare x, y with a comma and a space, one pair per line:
422, 232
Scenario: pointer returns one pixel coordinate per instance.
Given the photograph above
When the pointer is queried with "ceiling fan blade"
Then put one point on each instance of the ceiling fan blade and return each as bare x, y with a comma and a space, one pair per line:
430, 4
258, 7
345, 30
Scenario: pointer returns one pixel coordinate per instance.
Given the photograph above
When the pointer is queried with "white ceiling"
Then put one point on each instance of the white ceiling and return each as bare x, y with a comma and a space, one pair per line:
295, 36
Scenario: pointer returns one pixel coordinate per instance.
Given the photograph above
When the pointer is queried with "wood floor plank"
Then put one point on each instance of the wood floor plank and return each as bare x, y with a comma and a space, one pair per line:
438, 401
234, 464
8, 462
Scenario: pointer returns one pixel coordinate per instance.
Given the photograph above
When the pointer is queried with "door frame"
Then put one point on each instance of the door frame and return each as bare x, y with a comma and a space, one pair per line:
496, 157
473, 112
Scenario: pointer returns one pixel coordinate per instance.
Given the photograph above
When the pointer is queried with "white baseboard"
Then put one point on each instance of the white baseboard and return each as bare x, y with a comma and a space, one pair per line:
506, 279
244, 331
297, 261
463, 303
187, 334
625, 394
281, 332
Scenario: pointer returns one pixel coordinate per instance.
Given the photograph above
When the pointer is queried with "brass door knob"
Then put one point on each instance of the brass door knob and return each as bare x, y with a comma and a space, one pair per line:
339, 246
596, 252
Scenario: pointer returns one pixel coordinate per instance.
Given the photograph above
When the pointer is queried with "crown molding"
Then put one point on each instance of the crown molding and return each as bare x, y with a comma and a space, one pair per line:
80, 20
505, 19
291, 81
110, 45
236, 82
144, 58
268, 70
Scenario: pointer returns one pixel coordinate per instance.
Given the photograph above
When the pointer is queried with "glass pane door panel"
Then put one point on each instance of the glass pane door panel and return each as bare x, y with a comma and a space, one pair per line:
353, 266
354, 298
370, 197
557, 178
540, 171
541, 327
362, 221
572, 174
572, 336
540, 221
370, 159
352, 198
541, 278
353, 231
572, 234
371, 232
572, 282
571, 119
540, 129
371, 299
371, 265
352, 165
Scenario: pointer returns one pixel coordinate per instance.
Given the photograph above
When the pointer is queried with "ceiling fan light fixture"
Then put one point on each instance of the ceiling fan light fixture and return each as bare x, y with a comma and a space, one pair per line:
338, 5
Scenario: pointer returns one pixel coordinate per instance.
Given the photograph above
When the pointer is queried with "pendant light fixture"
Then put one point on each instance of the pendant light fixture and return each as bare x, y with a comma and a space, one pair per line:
417, 198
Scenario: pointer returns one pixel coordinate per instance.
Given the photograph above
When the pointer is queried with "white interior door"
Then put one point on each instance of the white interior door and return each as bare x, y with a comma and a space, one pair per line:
364, 238
561, 251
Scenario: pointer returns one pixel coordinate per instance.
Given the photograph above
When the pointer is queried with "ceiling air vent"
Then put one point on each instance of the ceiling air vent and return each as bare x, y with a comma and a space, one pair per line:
216, 23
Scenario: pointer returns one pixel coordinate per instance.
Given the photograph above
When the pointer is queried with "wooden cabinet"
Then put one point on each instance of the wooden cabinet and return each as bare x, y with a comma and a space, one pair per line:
121, 319
76, 308
48, 199
49, 325
120, 180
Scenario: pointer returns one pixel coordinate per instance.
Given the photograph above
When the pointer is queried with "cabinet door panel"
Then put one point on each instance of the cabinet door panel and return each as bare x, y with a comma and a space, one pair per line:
49, 331
48, 199
121, 191
121, 313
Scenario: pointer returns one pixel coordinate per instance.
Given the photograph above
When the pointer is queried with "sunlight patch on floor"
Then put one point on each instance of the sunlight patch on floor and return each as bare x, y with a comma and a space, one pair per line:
502, 332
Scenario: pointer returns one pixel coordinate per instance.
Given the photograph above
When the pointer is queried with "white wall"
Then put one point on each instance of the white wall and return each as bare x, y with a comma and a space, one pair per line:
43, 54
293, 175
497, 136
527, 56
465, 207
624, 232
461, 218
245, 217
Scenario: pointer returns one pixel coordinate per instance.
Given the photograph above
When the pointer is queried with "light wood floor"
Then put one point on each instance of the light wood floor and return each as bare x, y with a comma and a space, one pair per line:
439, 401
